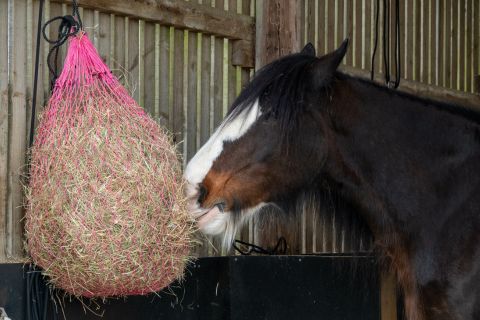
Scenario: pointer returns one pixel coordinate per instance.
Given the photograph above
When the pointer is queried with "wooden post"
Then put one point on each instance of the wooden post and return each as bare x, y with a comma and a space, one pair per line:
4, 121
277, 30
277, 34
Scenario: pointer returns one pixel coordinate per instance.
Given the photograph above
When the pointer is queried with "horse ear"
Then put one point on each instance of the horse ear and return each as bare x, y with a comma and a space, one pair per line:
308, 50
326, 66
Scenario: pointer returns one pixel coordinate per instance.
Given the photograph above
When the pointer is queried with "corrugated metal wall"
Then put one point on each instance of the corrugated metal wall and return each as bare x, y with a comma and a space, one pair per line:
186, 81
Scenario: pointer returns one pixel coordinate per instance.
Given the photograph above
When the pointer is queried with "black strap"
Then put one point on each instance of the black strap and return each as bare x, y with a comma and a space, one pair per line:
69, 25
280, 248
35, 76
386, 43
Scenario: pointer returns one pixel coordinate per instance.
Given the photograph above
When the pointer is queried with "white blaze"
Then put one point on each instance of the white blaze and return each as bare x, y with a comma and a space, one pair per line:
229, 130
212, 221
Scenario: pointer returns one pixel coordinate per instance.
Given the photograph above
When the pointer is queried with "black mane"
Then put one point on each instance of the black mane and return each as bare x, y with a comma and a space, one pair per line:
282, 84
279, 86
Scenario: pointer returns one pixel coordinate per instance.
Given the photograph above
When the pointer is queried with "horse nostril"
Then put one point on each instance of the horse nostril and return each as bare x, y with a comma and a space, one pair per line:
202, 194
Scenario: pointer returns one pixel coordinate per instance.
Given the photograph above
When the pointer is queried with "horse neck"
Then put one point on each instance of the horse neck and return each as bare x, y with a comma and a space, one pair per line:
388, 152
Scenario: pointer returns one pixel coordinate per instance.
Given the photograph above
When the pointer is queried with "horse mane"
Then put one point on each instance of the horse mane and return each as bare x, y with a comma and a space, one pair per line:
278, 86
281, 87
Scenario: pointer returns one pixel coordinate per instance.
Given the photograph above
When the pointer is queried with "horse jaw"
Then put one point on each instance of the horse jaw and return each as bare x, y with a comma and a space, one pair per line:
227, 223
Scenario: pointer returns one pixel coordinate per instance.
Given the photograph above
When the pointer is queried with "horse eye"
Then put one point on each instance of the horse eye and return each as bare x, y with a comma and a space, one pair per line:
202, 194
221, 206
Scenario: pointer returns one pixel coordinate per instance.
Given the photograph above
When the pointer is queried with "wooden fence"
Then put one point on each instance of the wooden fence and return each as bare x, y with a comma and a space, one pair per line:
185, 62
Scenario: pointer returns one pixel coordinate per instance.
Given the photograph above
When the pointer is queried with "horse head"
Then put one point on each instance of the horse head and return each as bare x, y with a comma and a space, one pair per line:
270, 144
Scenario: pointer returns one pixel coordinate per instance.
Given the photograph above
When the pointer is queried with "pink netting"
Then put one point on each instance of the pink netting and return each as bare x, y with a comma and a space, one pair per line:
106, 212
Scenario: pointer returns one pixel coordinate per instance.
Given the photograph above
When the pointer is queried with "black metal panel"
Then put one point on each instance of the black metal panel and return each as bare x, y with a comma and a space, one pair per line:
12, 290
237, 288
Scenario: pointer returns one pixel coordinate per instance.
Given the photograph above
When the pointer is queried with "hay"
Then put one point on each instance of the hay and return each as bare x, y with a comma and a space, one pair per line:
106, 213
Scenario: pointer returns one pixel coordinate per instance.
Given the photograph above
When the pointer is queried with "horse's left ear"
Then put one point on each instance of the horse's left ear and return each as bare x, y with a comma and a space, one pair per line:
326, 66
308, 50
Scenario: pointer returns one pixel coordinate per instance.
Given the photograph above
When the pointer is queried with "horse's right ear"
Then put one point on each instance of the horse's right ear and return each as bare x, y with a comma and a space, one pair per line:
308, 50
326, 66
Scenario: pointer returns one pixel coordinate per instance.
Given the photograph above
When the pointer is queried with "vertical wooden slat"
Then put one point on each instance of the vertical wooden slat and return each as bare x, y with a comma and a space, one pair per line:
140, 75
45, 88
454, 44
468, 51
326, 18
192, 97
423, 12
118, 63
461, 45
17, 128
431, 41
178, 88
103, 35
149, 66
379, 59
448, 47
111, 42
4, 125
440, 32
340, 32
164, 71
476, 44
363, 34
330, 25
232, 76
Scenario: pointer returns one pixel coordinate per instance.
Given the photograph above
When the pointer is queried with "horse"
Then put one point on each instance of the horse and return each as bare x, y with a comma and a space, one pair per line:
408, 166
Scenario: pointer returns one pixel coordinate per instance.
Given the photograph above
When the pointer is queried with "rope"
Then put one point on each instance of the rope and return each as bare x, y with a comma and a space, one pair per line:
280, 248
69, 25
386, 43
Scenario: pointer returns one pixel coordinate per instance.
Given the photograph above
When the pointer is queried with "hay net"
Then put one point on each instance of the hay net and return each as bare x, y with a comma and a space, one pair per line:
106, 213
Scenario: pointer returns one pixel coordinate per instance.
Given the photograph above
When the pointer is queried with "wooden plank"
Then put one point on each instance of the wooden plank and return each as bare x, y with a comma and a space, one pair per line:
277, 31
18, 131
461, 45
181, 15
103, 35
150, 72
406, 45
156, 63
468, 65
379, 59
218, 82
476, 47
310, 22
440, 31
446, 95
454, 45
164, 80
448, 48
339, 23
4, 124
119, 61
178, 115
330, 41
431, 41
192, 95
424, 35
